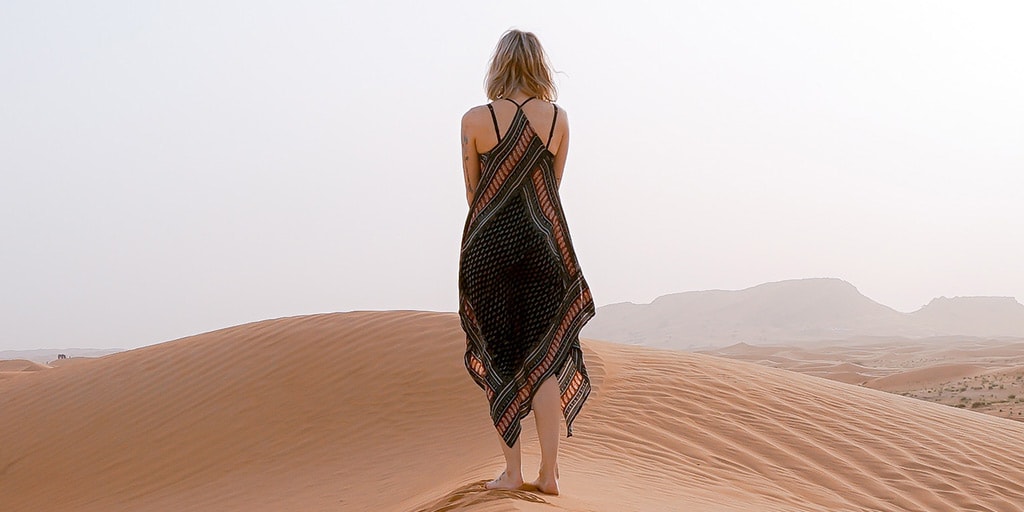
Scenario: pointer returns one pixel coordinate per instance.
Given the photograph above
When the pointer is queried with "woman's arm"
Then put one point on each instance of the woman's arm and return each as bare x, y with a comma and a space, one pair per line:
470, 157
562, 134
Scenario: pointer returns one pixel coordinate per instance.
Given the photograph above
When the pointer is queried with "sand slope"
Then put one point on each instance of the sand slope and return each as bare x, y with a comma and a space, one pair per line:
924, 377
21, 365
374, 411
14, 367
985, 375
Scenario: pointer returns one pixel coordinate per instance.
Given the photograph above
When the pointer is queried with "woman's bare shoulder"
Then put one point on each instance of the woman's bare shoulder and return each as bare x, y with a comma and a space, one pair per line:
476, 119
563, 115
476, 112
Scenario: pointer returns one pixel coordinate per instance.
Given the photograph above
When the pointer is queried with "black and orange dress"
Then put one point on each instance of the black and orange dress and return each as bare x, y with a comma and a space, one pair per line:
522, 295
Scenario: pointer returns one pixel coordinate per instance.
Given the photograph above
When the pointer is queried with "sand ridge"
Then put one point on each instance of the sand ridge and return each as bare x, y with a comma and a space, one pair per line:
374, 411
10, 368
21, 365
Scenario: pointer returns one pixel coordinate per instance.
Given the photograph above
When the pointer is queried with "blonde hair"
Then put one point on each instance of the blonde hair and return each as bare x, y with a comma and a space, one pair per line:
519, 63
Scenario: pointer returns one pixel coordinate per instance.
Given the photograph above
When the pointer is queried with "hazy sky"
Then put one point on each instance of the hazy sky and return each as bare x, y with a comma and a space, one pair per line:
171, 168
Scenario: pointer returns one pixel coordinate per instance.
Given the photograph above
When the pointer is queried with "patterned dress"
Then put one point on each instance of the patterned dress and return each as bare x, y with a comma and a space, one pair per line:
522, 296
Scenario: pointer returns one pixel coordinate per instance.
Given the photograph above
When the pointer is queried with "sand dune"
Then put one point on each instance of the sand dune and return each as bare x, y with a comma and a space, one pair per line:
68, 361
925, 377
983, 375
21, 365
374, 411
15, 367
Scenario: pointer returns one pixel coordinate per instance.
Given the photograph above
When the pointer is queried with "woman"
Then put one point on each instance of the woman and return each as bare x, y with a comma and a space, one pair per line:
522, 296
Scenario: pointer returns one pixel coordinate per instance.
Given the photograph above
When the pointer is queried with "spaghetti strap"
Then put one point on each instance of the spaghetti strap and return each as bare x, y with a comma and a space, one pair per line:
518, 105
553, 120
495, 119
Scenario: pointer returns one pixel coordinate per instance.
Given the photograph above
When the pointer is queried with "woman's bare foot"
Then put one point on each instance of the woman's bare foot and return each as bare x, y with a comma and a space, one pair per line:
505, 481
546, 484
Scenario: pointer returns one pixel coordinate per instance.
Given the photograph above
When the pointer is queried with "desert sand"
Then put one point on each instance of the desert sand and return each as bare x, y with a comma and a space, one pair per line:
14, 367
374, 411
985, 375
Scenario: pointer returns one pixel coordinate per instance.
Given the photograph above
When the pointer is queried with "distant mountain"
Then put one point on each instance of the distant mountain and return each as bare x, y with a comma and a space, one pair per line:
795, 310
977, 316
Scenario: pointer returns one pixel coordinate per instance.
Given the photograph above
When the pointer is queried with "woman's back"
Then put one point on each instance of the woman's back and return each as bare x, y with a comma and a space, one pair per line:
542, 115
485, 126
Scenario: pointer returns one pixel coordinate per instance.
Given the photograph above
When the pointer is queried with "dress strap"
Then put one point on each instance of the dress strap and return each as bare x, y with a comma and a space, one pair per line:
553, 119
495, 119
518, 105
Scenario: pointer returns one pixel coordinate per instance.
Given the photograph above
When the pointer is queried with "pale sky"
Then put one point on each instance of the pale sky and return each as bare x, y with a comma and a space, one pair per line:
171, 168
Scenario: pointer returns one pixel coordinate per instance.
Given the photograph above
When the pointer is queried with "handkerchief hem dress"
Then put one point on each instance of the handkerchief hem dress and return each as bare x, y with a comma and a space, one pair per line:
522, 296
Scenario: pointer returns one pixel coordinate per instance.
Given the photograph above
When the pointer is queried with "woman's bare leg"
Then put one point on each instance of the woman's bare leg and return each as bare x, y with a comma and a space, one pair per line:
547, 411
512, 477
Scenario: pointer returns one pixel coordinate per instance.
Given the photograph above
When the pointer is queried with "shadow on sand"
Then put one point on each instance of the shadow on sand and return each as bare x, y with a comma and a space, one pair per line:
475, 494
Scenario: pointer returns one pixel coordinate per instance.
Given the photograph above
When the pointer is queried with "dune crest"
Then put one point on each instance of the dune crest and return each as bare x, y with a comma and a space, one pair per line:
21, 365
374, 411
11, 368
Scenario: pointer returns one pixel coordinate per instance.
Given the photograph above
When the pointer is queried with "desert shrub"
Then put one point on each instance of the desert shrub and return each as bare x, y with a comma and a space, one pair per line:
977, 404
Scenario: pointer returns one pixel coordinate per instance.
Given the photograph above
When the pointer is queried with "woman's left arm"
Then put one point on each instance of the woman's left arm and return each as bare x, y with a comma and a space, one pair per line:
562, 129
470, 158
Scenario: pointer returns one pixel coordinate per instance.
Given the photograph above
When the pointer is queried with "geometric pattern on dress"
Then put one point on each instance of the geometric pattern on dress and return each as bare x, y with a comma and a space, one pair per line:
522, 296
